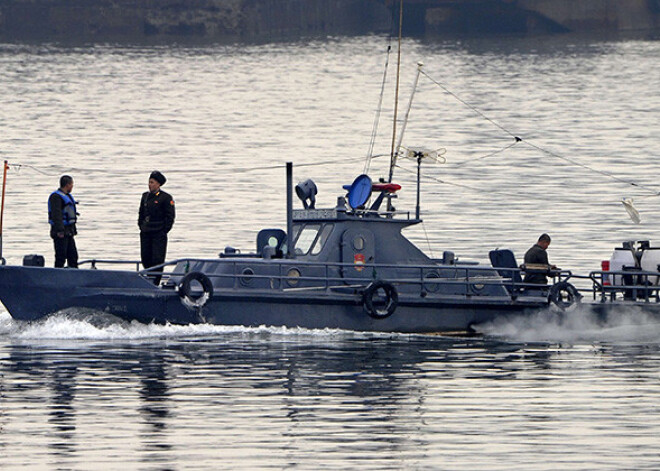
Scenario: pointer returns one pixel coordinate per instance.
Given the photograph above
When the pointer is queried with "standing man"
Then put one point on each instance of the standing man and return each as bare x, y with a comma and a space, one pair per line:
536, 260
155, 219
62, 216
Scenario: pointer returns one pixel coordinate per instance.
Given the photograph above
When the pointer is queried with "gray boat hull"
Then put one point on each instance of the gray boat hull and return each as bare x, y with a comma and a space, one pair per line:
31, 293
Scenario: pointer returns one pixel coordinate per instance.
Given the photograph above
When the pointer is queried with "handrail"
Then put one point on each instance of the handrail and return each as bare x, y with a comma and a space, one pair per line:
457, 268
468, 277
93, 262
637, 285
396, 215
333, 276
311, 263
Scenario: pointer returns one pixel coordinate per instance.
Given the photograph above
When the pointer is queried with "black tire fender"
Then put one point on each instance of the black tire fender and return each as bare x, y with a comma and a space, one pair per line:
564, 295
185, 289
380, 299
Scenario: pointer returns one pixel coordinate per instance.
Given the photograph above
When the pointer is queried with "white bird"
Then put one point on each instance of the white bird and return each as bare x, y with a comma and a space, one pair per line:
632, 211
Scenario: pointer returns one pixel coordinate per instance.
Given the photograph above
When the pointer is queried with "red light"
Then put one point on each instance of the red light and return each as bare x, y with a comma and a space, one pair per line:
605, 266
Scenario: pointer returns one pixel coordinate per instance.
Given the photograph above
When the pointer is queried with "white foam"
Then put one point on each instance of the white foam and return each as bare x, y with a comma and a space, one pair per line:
626, 325
87, 325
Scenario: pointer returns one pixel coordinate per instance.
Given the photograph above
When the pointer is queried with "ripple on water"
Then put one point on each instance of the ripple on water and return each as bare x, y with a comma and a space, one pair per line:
81, 388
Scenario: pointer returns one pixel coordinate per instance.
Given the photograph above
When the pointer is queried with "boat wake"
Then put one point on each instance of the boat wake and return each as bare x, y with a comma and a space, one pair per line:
578, 326
79, 324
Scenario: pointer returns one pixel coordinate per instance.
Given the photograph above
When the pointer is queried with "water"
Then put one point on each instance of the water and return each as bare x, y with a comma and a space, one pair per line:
80, 390
203, 397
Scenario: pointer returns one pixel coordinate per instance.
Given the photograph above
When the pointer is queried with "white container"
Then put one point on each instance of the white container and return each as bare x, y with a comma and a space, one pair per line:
650, 262
621, 258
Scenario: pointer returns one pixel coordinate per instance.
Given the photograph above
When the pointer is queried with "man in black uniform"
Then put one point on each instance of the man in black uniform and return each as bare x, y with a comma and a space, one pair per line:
155, 219
536, 259
62, 216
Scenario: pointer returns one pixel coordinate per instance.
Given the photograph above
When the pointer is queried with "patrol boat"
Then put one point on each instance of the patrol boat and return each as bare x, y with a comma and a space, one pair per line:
347, 266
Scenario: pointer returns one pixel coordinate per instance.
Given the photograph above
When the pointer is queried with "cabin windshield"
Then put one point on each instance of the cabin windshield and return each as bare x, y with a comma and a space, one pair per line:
311, 238
321, 239
306, 238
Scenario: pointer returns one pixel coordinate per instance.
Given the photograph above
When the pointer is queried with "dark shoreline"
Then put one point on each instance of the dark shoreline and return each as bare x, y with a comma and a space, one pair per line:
160, 22
155, 22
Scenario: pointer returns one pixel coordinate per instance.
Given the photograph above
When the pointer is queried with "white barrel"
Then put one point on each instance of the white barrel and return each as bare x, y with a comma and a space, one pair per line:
650, 262
621, 258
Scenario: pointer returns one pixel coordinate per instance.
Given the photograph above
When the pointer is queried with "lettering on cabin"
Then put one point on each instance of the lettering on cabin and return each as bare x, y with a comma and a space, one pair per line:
314, 214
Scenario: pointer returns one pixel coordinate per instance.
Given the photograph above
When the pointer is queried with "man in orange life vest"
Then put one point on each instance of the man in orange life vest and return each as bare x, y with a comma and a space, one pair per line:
62, 216
155, 219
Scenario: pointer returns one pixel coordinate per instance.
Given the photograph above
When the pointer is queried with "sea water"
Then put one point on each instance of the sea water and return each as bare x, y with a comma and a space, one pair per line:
82, 390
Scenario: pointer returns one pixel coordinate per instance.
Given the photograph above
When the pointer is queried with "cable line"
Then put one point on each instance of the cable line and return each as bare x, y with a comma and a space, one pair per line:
458, 185
19, 166
460, 164
468, 105
653, 190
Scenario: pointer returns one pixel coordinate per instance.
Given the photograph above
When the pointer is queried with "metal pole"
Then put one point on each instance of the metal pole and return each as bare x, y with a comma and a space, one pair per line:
410, 102
396, 97
289, 211
419, 169
2, 209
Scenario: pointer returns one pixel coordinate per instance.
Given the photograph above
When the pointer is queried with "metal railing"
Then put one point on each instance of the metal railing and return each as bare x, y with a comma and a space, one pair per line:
625, 285
304, 276
427, 280
93, 262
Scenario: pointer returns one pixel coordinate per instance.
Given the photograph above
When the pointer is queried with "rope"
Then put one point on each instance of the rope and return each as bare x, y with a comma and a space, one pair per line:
468, 105
310, 164
32, 167
516, 141
278, 167
18, 167
458, 185
601, 172
654, 191
374, 130
428, 241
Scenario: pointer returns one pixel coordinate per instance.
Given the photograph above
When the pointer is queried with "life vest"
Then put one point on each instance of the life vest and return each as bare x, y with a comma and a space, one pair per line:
69, 213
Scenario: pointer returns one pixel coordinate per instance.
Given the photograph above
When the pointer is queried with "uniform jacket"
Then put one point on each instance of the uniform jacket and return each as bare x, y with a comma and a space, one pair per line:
156, 212
536, 256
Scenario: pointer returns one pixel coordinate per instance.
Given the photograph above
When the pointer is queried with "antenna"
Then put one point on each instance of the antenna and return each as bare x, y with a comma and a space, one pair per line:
420, 154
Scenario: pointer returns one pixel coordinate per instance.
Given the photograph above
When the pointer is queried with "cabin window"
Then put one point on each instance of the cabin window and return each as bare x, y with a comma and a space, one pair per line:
293, 277
247, 275
306, 238
433, 286
321, 239
358, 243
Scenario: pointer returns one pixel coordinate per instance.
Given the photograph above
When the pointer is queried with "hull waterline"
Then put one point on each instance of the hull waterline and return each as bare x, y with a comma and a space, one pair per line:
31, 293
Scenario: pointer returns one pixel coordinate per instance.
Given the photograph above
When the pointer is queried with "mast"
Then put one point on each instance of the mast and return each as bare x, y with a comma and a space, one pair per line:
396, 96
290, 253
2, 209
405, 119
